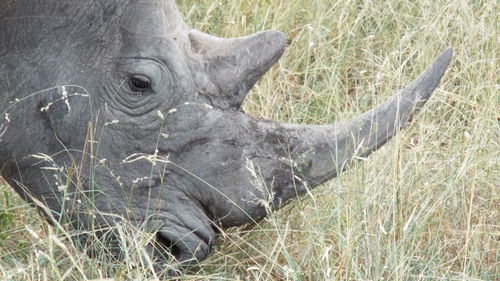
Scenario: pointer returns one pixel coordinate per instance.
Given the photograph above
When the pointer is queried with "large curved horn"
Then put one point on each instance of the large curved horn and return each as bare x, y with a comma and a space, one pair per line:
321, 152
277, 162
234, 65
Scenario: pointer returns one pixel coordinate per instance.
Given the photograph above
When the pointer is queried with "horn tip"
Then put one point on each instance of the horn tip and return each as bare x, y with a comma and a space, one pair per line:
446, 55
277, 39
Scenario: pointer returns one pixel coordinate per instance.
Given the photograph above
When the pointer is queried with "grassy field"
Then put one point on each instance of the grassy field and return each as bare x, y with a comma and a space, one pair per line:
424, 207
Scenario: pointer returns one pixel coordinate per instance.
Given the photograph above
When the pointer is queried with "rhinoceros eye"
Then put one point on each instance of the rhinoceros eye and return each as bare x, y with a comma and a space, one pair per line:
139, 84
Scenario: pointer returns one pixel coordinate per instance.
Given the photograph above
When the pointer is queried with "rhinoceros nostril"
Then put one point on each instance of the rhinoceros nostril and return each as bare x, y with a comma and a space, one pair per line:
166, 243
186, 247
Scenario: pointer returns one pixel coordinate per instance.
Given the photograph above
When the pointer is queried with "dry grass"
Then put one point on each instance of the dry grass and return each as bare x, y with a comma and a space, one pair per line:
424, 207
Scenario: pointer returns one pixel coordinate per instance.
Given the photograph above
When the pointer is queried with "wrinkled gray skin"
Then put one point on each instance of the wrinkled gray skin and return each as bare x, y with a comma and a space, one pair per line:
123, 62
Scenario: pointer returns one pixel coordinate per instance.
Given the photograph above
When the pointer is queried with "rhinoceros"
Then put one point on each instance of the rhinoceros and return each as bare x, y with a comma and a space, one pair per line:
117, 110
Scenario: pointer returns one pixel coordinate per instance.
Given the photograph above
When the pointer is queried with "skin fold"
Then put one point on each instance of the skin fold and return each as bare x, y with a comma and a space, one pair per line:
117, 110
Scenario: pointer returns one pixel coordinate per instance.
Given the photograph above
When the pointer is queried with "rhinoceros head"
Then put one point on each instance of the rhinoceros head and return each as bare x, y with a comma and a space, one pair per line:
121, 104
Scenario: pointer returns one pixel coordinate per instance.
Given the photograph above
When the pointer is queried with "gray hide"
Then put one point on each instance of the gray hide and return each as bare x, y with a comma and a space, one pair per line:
121, 104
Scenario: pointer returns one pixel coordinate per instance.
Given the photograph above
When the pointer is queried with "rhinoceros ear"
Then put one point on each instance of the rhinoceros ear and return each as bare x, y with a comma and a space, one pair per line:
235, 65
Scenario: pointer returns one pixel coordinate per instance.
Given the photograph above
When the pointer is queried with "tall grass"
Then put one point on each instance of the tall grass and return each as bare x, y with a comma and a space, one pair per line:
424, 207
